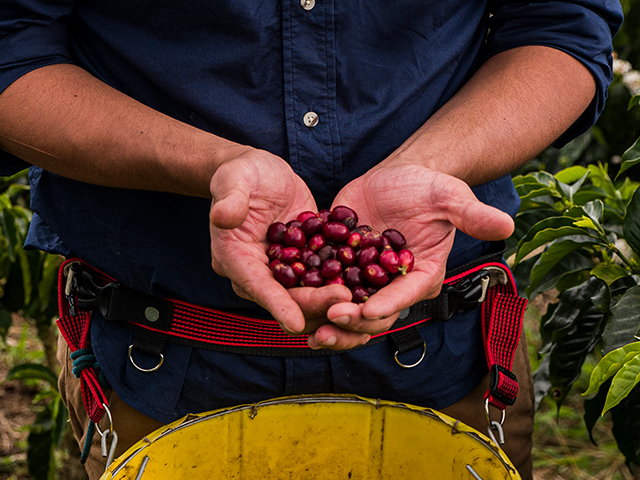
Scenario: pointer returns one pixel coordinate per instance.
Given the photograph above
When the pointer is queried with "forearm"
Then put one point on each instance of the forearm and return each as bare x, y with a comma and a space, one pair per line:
68, 122
516, 105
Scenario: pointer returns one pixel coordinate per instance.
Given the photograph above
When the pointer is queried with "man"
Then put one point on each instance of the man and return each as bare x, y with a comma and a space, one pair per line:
135, 115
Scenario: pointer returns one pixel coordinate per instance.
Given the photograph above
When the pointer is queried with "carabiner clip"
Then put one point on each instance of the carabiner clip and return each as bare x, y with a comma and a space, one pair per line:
108, 453
493, 426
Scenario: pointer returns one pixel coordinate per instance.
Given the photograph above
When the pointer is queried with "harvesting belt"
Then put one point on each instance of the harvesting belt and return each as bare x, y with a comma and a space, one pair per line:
485, 282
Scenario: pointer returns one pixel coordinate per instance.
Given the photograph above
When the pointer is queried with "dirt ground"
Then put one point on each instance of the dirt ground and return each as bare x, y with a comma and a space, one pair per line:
16, 406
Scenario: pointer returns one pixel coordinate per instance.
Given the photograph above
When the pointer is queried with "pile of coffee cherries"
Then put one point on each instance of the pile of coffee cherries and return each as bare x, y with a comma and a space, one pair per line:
329, 247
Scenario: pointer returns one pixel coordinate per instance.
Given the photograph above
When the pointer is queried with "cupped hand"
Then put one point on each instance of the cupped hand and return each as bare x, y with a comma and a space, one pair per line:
427, 207
250, 192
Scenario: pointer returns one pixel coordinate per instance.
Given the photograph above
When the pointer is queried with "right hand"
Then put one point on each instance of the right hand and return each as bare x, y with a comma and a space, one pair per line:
250, 192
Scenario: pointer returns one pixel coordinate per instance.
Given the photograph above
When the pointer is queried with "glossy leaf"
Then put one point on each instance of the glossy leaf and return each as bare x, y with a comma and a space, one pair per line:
609, 273
627, 377
624, 321
572, 174
572, 263
631, 224
546, 231
557, 252
610, 364
635, 100
567, 355
630, 158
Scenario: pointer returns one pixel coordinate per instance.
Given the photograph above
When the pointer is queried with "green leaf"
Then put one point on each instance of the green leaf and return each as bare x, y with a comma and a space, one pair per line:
573, 262
610, 364
631, 223
627, 377
546, 231
635, 100
623, 324
593, 409
609, 273
567, 354
33, 371
557, 252
630, 158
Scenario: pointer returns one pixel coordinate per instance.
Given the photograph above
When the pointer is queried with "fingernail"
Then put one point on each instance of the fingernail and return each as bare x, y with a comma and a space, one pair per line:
343, 320
330, 342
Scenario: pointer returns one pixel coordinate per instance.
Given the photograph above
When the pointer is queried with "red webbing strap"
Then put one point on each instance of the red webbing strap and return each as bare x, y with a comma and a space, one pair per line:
75, 330
502, 314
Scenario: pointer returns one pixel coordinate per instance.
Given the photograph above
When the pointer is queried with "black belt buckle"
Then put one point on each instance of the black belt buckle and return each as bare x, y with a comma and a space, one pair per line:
466, 294
92, 296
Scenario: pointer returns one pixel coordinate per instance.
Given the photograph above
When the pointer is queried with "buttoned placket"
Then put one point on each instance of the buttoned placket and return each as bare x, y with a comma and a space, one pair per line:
309, 55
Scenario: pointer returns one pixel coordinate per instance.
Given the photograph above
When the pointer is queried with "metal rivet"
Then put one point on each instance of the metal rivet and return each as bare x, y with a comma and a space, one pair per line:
151, 314
311, 119
307, 4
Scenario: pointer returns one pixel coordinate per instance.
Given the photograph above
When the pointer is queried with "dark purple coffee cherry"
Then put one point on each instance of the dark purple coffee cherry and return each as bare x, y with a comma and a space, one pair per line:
368, 255
353, 277
275, 232
344, 215
312, 278
312, 226
331, 268
285, 275
396, 239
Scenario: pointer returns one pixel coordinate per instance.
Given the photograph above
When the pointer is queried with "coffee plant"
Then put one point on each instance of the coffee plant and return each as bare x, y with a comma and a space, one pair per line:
578, 233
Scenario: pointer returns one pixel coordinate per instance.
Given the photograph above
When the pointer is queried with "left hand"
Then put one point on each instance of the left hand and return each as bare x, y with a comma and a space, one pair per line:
427, 207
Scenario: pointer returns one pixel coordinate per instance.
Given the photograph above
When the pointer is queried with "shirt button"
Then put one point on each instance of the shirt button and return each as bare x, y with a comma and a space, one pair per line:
307, 4
311, 119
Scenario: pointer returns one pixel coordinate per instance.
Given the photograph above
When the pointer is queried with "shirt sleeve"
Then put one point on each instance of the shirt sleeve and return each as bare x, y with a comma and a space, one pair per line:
582, 28
33, 34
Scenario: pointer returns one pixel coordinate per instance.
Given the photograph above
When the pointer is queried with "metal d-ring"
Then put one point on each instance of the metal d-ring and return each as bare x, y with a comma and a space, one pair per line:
424, 352
146, 370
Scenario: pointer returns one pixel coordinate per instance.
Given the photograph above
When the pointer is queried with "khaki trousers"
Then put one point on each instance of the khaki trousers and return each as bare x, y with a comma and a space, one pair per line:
131, 425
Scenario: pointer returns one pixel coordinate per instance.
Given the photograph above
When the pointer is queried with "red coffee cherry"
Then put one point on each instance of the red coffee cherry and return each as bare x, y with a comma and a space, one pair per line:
405, 265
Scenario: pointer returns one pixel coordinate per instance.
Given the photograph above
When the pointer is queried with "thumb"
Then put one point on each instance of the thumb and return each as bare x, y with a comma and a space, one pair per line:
477, 219
230, 205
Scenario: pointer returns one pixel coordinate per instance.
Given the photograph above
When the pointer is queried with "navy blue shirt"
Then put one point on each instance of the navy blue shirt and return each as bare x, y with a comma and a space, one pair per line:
249, 71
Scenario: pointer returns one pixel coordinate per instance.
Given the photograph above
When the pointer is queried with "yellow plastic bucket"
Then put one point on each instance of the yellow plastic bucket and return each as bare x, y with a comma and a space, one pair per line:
315, 437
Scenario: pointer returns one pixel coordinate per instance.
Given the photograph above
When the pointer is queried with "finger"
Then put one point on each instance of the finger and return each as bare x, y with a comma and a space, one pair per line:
403, 292
314, 302
258, 285
334, 338
475, 218
231, 194
349, 317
